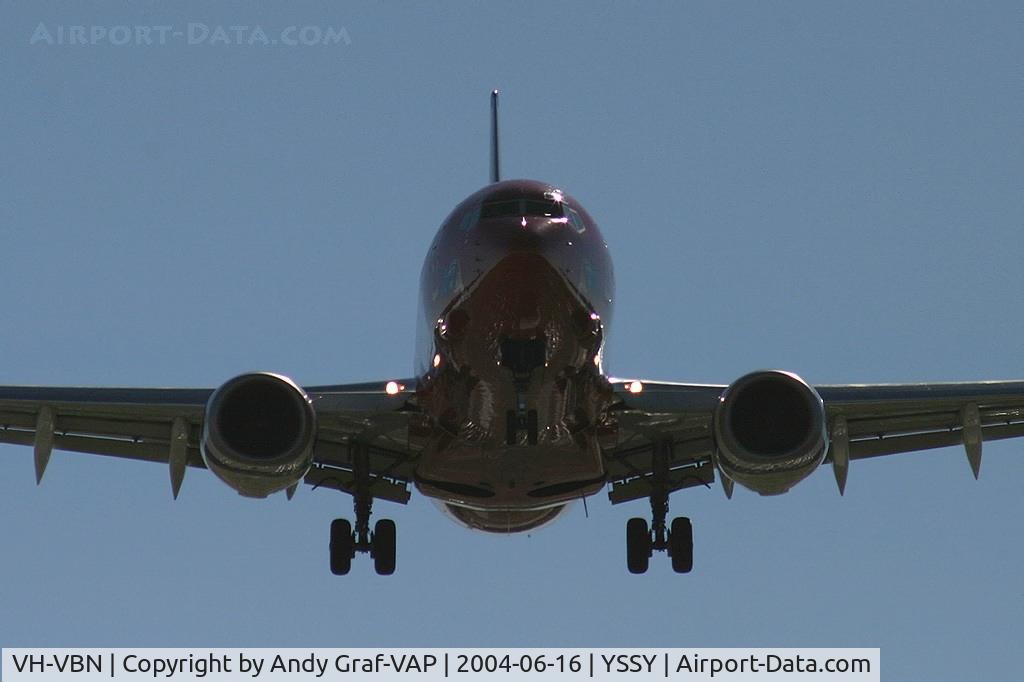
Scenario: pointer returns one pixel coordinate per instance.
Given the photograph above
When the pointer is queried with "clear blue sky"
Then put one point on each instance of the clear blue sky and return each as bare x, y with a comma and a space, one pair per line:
831, 188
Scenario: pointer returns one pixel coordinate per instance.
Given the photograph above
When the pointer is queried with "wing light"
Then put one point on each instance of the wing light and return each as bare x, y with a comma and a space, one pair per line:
393, 388
636, 387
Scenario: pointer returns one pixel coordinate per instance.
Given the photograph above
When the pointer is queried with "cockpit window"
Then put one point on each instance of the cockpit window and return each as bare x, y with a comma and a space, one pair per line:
577, 221
509, 208
469, 219
542, 207
500, 209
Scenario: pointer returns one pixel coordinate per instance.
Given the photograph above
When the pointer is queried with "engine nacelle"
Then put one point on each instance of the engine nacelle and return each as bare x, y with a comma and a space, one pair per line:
258, 433
770, 430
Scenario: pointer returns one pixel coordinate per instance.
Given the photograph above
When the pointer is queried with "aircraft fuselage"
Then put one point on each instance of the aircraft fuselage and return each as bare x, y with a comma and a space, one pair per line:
515, 300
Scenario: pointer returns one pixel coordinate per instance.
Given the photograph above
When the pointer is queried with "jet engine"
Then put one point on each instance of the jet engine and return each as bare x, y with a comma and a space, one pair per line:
258, 433
770, 431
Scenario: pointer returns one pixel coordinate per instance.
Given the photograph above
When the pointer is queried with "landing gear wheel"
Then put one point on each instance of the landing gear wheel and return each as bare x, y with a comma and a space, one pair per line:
342, 546
531, 427
383, 547
511, 427
638, 545
680, 544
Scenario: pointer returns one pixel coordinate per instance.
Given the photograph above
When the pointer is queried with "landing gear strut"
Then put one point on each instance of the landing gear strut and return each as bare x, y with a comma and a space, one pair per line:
521, 357
345, 542
642, 541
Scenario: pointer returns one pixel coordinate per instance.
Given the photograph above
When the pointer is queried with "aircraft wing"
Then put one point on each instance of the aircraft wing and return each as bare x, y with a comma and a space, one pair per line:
863, 420
165, 425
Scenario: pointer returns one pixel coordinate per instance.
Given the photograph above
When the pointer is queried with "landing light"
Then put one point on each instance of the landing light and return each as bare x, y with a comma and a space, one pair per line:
636, 387
437, 360
392, 388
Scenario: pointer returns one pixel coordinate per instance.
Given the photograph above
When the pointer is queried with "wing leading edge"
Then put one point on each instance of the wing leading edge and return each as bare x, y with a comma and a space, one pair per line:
166, 425
863, 421
766, 431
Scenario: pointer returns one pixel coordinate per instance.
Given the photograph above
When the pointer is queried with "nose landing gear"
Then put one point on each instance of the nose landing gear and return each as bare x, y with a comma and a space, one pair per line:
521, 357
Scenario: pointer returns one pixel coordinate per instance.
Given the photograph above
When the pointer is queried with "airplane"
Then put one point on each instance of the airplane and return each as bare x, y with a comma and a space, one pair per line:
510, 416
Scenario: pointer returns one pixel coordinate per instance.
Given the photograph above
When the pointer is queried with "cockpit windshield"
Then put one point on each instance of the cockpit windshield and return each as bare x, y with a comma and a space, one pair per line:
514, 208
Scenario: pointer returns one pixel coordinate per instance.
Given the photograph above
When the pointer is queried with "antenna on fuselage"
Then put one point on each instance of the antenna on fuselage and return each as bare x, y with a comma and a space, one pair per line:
495, 164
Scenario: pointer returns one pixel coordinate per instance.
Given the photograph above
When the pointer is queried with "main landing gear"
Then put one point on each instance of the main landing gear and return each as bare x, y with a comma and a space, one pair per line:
380, 544
641, 543
642, 540
345, 542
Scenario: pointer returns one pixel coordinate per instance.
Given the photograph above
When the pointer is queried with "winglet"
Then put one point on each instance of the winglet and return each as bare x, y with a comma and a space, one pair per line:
495, 161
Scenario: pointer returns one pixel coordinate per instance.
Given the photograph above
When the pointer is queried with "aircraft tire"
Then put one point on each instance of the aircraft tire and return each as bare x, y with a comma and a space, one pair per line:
384, 547
638, 545
680, 544
342, 546
531, 427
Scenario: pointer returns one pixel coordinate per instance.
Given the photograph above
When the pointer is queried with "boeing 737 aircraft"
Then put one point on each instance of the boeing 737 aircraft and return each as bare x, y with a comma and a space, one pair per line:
509, 415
